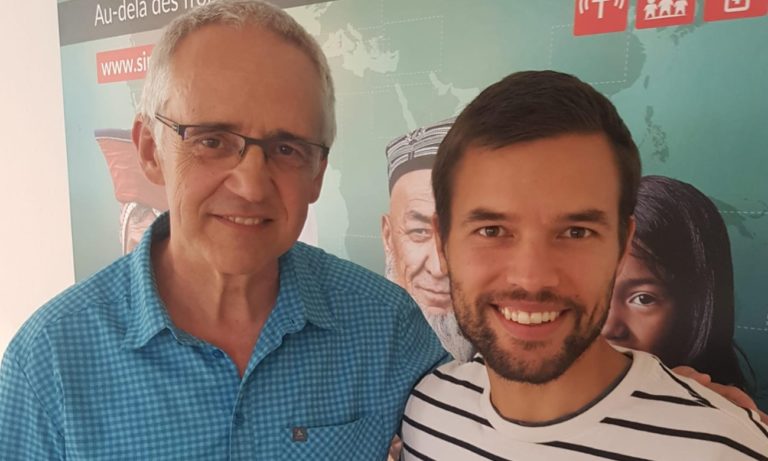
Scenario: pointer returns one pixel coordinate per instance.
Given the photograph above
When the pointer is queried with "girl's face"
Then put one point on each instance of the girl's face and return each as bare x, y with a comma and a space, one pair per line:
642, 310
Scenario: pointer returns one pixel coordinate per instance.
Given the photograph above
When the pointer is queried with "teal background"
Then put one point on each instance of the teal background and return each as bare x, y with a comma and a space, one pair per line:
693, 96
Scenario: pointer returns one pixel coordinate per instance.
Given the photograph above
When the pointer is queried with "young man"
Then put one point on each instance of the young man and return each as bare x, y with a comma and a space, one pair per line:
534, 188
220, 336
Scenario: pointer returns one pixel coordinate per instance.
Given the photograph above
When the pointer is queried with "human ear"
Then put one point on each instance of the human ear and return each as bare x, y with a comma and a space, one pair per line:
149, 156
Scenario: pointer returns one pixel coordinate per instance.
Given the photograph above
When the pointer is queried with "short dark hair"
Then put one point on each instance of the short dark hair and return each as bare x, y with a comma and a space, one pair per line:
531, 105
682, 239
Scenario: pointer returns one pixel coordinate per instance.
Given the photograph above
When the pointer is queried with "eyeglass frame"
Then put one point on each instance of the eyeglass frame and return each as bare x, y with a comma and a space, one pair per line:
181, 129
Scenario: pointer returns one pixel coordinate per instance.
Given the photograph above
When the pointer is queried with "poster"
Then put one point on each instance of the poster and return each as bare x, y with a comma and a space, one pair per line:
693, 96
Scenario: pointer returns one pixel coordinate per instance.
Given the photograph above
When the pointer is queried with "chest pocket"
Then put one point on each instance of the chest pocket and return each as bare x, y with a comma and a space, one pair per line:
362, 439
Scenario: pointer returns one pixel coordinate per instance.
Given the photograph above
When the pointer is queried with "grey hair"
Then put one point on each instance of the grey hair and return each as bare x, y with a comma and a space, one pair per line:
236, 13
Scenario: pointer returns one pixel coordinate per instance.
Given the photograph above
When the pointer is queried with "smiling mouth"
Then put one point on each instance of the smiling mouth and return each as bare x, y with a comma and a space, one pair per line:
244, 220
528, 318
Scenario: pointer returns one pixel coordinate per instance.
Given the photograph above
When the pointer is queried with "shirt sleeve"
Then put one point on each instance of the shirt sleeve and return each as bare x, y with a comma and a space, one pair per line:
27, 431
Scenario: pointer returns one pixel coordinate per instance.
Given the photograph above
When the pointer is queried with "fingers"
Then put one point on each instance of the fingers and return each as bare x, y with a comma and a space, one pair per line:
732, 393
688, 372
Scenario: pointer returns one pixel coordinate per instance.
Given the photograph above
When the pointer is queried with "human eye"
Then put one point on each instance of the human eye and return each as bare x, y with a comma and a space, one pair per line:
577, 232
491, 231
212, 144
287, 152
642, 299
419, 234
285, 148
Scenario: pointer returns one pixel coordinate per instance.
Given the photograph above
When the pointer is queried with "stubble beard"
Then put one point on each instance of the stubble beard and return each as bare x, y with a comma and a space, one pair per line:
474, 324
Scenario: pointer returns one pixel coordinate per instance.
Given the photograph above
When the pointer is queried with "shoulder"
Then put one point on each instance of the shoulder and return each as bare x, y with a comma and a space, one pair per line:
67, 313
463, 381
662, 398
445, 409
377, 315
343, 277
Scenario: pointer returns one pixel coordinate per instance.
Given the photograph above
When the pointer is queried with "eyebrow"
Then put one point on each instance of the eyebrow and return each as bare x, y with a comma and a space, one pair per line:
283, 134
213, 126
591, 215
417, 216
484, 214
278, 134
633, 282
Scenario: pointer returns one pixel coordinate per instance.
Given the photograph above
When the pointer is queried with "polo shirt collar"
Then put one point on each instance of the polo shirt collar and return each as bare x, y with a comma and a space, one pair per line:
300, 295
148, 313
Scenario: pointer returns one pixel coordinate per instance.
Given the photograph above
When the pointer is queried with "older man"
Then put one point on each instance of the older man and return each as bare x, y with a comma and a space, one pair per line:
220, 337
534, 187
406, 232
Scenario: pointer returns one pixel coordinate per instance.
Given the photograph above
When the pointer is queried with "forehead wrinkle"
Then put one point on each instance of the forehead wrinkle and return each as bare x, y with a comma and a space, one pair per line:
197, 89
418, 216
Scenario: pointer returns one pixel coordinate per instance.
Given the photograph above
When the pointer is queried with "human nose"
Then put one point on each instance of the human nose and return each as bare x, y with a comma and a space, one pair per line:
432, 264
531, 265
251, 178
615, 329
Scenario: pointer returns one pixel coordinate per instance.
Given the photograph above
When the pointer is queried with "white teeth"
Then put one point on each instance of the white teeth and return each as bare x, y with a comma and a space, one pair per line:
244, 221
529, 318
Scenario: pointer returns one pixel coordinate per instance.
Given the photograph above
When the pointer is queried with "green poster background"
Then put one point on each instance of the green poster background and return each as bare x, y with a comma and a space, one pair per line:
693, 96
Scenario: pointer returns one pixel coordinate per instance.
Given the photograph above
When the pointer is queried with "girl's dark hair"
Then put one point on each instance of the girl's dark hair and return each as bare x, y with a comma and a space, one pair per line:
682, 238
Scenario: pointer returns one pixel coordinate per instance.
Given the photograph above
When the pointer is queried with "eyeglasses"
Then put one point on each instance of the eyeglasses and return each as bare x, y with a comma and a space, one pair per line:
226, 148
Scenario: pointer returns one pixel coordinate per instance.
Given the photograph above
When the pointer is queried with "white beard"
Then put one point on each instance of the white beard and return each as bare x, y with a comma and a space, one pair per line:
444, 325
447, 330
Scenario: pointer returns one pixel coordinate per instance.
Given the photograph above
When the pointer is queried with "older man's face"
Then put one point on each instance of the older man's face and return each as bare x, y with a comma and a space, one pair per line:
240, 219
409, 243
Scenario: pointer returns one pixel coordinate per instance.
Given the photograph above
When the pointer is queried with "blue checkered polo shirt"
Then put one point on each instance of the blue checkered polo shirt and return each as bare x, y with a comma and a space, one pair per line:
100, 372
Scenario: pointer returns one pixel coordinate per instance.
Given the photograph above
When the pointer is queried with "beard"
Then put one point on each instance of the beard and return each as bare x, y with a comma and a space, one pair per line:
447, 329
444, 324
509, 362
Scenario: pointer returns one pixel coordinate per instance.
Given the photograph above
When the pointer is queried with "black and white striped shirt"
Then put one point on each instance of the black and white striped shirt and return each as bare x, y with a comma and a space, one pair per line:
651, 414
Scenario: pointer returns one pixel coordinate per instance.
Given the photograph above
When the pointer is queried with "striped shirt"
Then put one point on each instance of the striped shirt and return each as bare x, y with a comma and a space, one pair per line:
651, 414
102, 373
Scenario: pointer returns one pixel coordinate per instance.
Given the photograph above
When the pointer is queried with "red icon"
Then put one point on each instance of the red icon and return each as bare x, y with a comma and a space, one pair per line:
663, 13
600, 16
718, 10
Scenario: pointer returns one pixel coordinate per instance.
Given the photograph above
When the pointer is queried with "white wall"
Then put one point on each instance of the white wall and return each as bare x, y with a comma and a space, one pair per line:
36, 250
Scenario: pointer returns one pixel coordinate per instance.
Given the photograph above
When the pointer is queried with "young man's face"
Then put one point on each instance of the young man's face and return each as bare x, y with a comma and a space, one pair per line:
532, 251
